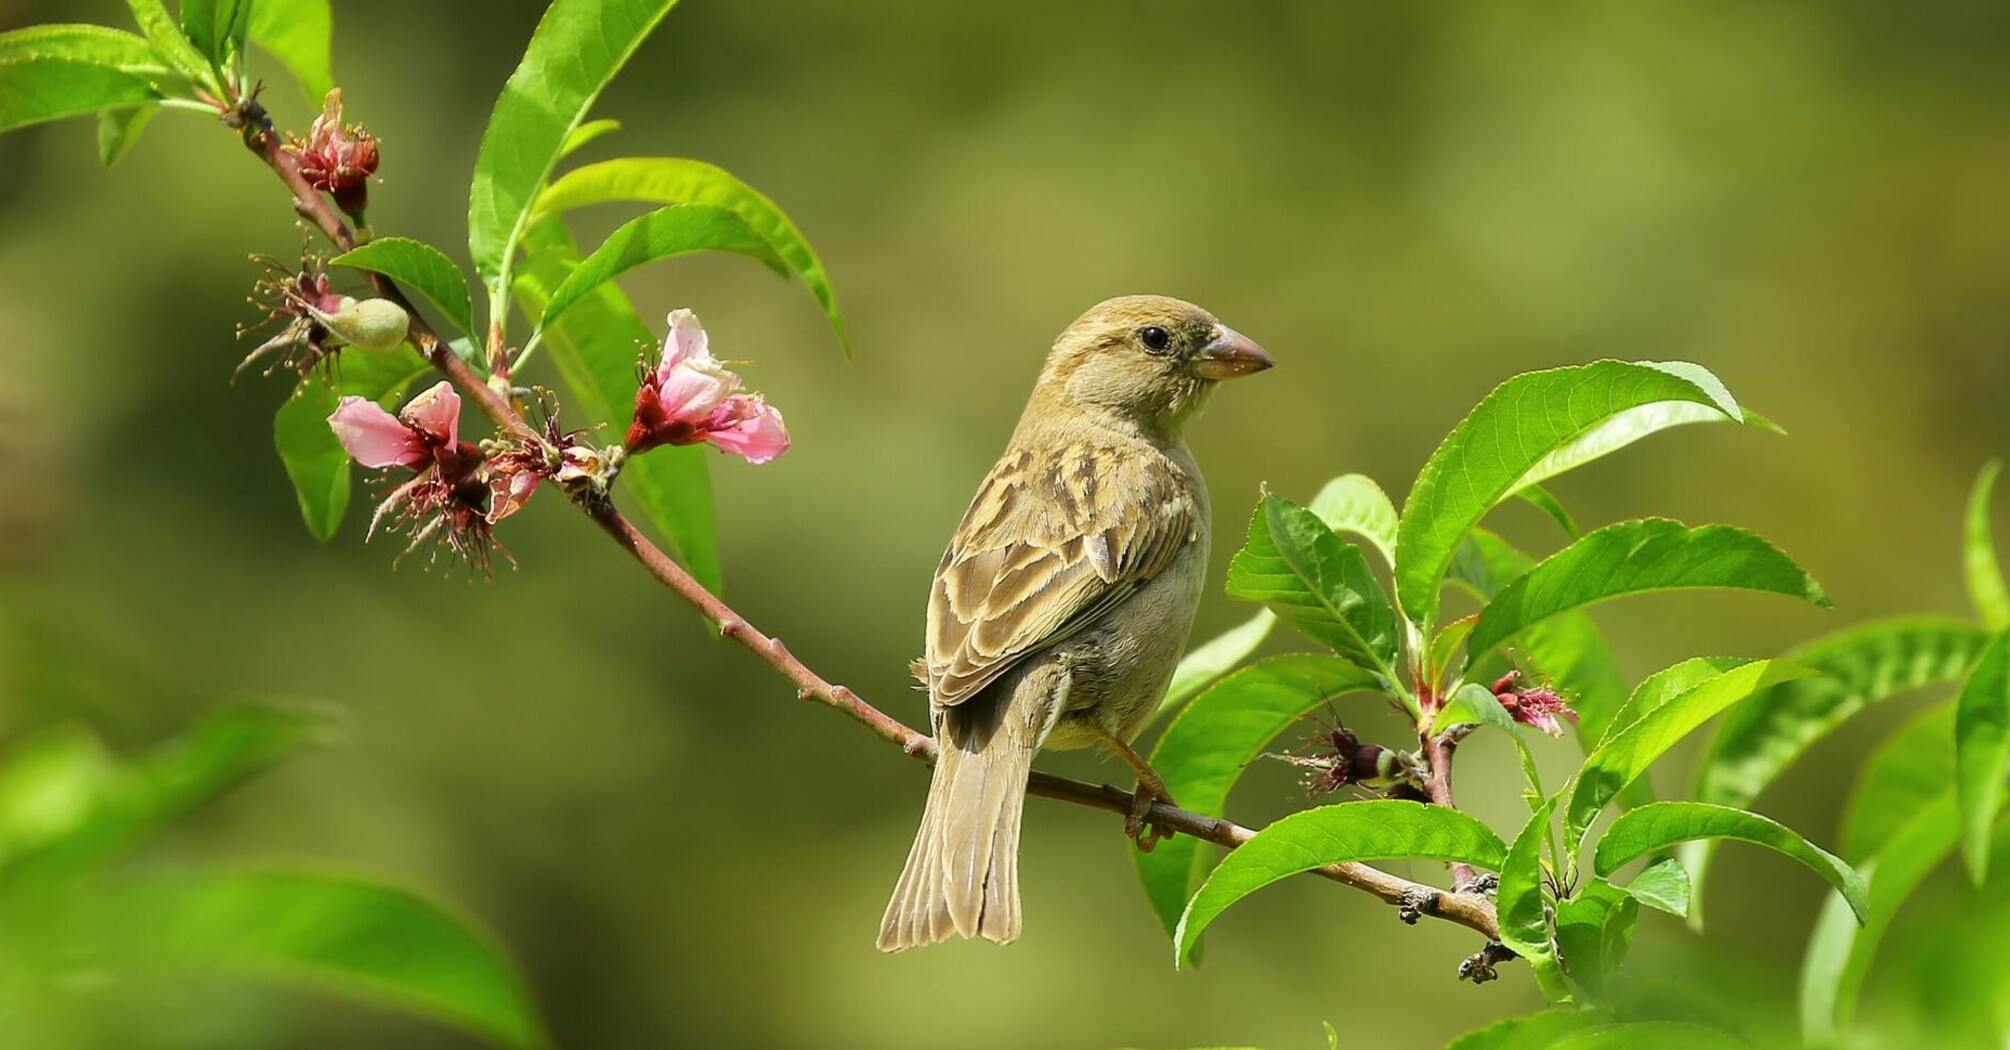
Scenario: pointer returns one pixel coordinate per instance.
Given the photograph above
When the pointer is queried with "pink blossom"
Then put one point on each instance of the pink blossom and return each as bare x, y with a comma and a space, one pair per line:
446, 499
690, 397
1539, 706
748, 426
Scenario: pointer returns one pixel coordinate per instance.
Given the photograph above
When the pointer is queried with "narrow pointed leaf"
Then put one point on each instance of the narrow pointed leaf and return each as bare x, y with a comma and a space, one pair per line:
1523, 913
78, 42
34, 90
1541, 499
1534, 1032
1655, 827
1856, 667
662, 233
1650, 1035
1625, 757
300, 34
577, 48
595, 346
1632, 557
1318, 582
1665, 685
1204, 751
119, 129
1378, 829
168, 41
676, 180
1982, 751
1909, 770
422, 268
1985, 575
1508, 442
1842, 947
1216, 657
347, 936
1354, 503
584, 134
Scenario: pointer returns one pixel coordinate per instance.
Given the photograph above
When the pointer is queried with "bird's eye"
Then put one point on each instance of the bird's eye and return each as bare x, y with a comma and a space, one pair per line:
1156, 339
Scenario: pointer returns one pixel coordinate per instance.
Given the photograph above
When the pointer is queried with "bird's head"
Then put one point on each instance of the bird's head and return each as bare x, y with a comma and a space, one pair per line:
1149, 359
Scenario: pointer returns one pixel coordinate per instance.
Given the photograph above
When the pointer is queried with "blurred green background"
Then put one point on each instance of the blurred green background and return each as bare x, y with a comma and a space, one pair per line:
1404, 203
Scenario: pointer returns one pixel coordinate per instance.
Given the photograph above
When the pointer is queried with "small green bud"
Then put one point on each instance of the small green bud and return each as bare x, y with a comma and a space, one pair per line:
367, 324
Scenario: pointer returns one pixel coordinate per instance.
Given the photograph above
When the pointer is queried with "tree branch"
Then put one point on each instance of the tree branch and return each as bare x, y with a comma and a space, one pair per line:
1469, 909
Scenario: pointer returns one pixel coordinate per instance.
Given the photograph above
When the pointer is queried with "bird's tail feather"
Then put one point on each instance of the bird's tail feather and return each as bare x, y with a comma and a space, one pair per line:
962, 874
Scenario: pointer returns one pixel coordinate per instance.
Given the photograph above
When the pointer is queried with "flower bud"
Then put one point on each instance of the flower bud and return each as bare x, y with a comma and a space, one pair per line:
336, 157
367, 324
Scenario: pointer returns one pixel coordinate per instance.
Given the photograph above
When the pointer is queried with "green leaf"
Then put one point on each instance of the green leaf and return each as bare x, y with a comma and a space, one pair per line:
1982, 750
213, 26
1655, 827
1649, 1035
1908, 770
347, 936
1856, 667
314, 460
1631, 557
119, 129
1626, 755
1376, 829
1842, 947
1567, 648
421, 267
1204, 751
1528, 429
676, 230
595, 346
1534, 1032
1664, 886
585, 133
87, 806
1594, 930
77, 42
1473, 704
1985, 576
1541, 499
577, 48
1446, 646
1294, 563
1523, 913
300, 34
168, 41
675, 180
34, 90
1216, 657
1354, 503
1665, 685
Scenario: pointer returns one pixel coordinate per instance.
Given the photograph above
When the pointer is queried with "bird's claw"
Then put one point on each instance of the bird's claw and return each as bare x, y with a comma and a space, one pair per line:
1146, 835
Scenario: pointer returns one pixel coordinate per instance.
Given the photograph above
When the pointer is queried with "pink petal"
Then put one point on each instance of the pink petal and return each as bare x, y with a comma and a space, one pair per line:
694, 389
754, 431
376, 438
685, 342
436, 413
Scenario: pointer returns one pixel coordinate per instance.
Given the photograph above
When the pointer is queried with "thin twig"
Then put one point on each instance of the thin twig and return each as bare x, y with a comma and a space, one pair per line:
1473, 910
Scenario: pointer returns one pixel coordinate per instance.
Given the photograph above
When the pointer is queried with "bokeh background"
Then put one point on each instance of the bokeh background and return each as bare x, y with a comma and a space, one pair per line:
1404, 203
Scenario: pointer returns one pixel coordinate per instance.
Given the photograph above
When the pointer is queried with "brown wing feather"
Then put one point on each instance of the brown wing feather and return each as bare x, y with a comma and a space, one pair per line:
1045, 549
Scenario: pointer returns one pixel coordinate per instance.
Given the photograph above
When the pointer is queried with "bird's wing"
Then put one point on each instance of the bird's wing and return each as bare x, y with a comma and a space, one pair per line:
1052, 542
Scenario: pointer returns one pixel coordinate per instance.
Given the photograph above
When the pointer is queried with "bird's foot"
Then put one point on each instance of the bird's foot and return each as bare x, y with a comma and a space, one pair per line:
1136, 827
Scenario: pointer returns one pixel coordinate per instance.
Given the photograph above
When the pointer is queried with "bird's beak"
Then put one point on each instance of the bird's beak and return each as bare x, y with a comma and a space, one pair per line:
1230, 355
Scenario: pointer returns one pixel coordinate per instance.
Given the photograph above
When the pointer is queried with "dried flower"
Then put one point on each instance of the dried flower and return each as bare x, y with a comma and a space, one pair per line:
690, 397
336, 157
314, 319
1334, 758
446, 500
1538, 705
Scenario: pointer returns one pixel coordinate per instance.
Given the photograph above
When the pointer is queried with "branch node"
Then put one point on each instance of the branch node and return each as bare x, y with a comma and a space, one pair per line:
806, 693
1479, 967
1417, 902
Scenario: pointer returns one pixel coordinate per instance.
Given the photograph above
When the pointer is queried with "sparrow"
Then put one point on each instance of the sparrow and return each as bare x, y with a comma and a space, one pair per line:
1064, 600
